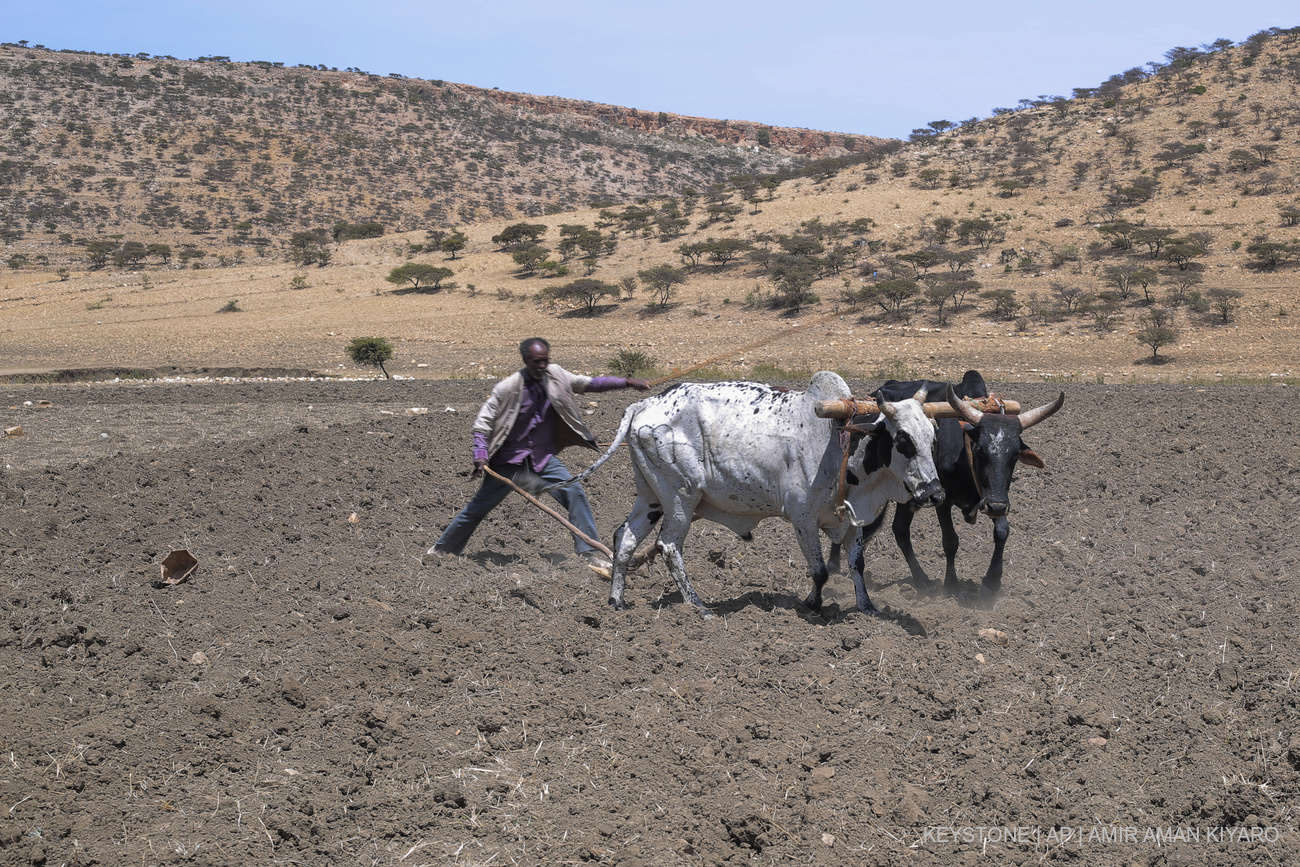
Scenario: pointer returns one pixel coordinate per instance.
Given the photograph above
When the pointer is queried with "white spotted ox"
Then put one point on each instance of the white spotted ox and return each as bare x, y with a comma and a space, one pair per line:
738, 452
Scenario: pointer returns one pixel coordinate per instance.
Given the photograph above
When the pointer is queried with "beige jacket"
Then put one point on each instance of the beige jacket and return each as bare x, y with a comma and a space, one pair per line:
499, 411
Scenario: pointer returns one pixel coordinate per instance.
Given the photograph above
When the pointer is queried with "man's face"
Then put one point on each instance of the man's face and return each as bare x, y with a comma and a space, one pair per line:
536, 360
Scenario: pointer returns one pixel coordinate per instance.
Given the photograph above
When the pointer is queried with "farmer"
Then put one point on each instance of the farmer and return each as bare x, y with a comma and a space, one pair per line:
527, 419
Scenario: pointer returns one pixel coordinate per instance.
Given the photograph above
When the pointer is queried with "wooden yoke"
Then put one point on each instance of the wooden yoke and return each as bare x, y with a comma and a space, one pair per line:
850, 406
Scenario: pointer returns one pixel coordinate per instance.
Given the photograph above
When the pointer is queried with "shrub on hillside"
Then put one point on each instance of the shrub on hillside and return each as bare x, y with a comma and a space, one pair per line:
632, 362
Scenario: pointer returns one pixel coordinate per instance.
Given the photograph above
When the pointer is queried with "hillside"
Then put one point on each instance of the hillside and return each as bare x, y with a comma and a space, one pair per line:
1045, 241
235, 156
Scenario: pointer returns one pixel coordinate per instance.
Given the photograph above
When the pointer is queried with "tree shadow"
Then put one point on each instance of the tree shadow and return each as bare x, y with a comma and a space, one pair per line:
583, 313
419, 290
652, 310
1157, 361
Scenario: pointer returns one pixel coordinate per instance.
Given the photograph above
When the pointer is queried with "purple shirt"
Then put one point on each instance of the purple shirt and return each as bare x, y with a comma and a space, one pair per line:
533, 434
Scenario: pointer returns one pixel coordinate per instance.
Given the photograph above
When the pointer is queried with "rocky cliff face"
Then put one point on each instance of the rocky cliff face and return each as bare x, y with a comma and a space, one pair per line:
812, 144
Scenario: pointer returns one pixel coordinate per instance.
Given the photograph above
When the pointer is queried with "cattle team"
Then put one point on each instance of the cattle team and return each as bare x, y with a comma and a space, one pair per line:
736, 453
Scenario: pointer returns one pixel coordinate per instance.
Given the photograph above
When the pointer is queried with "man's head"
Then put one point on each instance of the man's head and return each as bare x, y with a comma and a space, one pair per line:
536, 353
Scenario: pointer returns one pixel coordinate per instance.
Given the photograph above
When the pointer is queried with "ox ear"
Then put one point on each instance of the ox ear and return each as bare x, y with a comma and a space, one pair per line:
884, 446
878, 451
1029, 458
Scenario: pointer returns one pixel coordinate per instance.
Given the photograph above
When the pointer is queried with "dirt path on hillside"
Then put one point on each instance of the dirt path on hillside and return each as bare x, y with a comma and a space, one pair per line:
314, 694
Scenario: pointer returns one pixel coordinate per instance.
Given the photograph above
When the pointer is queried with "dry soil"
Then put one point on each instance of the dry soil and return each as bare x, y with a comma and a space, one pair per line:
315, 694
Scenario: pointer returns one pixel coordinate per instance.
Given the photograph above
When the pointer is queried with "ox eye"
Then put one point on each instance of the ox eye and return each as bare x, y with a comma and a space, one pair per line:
905, 446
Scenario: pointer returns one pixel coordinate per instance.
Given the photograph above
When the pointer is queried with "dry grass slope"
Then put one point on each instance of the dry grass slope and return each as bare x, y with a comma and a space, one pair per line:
1028, 226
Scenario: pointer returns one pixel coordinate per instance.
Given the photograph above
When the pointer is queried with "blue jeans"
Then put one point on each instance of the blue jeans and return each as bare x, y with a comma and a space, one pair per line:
493, 491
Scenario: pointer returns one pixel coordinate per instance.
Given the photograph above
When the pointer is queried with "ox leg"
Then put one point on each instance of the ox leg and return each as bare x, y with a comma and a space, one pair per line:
950, 543
810, 544
858, 563
672, 538
902, 526
626, 539
993, 578
672, 554
833, 561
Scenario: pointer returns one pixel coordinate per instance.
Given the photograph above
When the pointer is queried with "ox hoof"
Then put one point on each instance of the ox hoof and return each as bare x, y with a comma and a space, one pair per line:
926, 587
617, 604
987, 598
981, 600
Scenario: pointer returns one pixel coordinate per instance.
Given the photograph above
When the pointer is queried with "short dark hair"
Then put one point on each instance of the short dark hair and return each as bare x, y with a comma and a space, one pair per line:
523, 347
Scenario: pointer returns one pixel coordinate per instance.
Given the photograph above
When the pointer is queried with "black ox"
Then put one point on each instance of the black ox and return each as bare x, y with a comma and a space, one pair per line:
975, 456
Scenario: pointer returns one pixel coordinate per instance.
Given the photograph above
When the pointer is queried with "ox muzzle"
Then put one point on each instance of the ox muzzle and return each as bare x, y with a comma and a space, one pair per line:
995, 509
929, 494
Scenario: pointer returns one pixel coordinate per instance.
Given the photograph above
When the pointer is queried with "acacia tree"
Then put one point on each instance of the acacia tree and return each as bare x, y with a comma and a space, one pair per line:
1119, 233
1073, 297
98, 252
530, 258
921, 261
586, 290
942, 295
518, 236
723, 250
452, 243
663, 280
419, 275
1181, 251
984, 233
371, 352
309, 248
1154, 237
130, 254
1225, 301
892, 295
1004, 302
1181, 284
571, 239
1270, 255
793, 276
1157, 330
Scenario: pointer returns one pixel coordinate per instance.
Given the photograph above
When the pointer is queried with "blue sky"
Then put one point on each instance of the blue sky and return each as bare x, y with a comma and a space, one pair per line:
869, 67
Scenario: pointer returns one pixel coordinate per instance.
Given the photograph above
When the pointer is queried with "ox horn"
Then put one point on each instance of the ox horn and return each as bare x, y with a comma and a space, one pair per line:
890, 410
1041, 413
967, 412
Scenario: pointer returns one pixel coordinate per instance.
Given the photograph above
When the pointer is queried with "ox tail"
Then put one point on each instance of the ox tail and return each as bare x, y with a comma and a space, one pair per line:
623, 428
